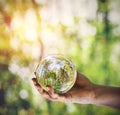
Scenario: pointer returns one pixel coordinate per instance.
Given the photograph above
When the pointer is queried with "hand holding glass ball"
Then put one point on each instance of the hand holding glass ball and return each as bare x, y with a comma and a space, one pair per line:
57, 80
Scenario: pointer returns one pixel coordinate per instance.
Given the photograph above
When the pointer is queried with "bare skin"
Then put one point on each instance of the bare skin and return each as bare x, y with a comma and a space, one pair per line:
85, 92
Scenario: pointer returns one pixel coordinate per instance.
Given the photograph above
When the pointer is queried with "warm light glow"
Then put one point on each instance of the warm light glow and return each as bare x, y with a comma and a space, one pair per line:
30, 19
35, 52
25, 27
15, 43
52, 41
17, 22
31, 34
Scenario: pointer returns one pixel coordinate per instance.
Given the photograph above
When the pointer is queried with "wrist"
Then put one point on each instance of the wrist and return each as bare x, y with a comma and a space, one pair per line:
90, 95
93, 94
100, 93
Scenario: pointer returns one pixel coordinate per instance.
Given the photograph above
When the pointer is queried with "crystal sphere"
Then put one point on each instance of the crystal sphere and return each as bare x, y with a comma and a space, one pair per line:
56, 71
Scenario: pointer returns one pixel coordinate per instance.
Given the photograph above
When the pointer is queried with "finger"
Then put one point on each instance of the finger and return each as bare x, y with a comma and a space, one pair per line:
56, 97
34, 80
47, 96
62, 98
52, 93
37, 86
42, 92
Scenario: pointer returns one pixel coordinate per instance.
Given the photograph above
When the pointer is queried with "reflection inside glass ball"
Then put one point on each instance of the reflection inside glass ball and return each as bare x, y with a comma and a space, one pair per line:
56, 71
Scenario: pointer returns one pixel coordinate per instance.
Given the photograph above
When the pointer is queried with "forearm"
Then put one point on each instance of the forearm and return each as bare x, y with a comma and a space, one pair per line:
107, 96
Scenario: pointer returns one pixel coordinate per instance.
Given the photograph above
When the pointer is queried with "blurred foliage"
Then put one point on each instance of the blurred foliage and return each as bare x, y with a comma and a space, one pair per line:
31, 29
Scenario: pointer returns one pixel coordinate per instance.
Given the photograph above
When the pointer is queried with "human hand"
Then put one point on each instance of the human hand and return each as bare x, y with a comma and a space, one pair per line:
82, 91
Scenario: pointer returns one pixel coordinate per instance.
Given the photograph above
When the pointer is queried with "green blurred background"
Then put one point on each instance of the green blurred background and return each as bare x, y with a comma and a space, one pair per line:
87, 31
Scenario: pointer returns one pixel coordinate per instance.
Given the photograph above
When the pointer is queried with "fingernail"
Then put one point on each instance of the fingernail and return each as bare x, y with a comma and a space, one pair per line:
33, 79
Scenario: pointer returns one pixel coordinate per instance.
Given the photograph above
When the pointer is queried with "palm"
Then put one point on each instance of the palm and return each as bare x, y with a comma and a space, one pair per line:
80, 90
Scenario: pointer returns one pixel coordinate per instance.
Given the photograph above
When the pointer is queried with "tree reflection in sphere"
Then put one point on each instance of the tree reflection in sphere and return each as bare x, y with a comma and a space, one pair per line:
56, 71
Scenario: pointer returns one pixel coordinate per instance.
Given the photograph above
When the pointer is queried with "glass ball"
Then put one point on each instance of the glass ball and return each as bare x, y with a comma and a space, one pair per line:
56, 71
